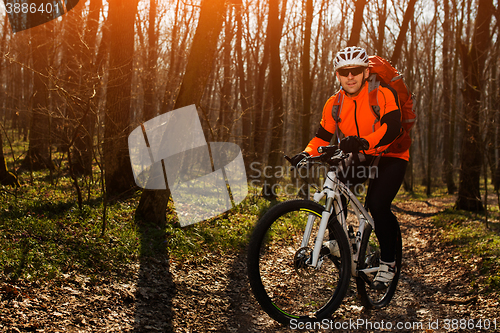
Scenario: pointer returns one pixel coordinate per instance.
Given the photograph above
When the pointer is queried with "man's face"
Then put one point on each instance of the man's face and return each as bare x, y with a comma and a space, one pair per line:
351, 78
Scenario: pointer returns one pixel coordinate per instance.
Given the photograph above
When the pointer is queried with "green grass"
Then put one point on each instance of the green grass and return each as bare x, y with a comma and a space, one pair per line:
227, 232
470, 236
44, 235
419, 193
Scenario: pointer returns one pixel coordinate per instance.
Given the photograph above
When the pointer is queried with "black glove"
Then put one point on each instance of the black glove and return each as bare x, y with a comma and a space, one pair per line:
353, 144
299, 157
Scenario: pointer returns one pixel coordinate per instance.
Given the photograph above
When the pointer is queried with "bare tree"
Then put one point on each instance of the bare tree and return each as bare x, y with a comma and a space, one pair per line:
118, 170
409, 74
343, 19
430, 110
306, 73
447, 88
382, 10
473, 64
77, 87
151, 62
275, 30
226, 114
496, 111
153, 204
402, 32
246, 144
357, 22
261, 114
38, 156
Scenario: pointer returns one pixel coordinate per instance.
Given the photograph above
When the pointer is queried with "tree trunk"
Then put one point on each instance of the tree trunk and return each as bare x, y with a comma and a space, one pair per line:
381, 27
447, 86
402, 32
200, 60
153, 204
247, 121
149, 110
226, 111
491, 114
3, 69
261, 121
357, 22
91, 78
38, 156
495, 116
276, 26
409, 175
473, 64
118, 170
496, 178
343, 19
430, 116
306, 74
6, 177
497, 171
454, 89
174, 56
80, 77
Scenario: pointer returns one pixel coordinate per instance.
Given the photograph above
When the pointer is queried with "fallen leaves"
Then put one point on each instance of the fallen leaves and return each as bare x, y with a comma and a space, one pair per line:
213, 294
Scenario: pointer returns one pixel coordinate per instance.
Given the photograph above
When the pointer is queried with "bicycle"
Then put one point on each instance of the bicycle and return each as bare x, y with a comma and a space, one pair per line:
295, 274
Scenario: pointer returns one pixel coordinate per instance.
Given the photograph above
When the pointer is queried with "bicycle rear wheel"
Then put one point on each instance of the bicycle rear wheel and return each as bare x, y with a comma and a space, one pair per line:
369, 257
282, 282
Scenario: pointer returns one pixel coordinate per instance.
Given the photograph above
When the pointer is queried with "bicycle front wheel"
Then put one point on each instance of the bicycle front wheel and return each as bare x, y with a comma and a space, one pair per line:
369, 257
283, 283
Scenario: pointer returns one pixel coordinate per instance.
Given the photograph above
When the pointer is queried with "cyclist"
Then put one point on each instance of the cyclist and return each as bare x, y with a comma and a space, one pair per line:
369, 139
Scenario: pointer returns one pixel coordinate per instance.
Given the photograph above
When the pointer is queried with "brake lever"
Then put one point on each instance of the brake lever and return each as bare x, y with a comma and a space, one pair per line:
302, 163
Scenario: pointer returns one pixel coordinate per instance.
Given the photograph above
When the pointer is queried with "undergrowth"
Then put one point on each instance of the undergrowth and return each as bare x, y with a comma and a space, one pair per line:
470, 236
45, 235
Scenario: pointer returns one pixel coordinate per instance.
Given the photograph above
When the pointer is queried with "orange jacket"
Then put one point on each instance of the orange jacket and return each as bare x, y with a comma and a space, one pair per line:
357, 118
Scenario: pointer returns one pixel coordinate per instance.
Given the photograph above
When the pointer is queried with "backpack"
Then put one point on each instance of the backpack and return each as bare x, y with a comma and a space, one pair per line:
382, 73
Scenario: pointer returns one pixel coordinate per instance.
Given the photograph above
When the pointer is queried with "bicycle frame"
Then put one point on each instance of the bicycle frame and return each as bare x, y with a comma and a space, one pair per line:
333, 189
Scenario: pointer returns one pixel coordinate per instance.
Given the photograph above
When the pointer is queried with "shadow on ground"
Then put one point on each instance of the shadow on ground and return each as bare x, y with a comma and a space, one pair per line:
155, 287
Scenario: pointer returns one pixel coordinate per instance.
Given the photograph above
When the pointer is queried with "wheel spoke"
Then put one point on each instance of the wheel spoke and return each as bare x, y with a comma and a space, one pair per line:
282, 279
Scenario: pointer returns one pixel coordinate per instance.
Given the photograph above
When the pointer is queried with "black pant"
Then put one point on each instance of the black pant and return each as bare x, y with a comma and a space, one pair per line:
389, 174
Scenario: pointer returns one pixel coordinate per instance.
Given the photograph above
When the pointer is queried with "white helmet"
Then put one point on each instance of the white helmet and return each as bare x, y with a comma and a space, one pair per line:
351, 56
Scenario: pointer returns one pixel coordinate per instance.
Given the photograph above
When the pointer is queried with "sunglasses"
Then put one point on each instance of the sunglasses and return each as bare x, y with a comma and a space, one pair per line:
354, 71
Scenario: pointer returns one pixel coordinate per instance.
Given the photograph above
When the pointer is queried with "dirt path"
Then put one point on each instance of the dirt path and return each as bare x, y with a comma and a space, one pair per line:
214, 296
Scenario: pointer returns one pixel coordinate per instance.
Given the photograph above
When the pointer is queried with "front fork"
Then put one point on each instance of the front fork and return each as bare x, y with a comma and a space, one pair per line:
331, 206
354, 239
318, 244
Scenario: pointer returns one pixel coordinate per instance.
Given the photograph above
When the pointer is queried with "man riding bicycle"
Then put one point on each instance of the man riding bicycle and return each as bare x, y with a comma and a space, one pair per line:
368, 136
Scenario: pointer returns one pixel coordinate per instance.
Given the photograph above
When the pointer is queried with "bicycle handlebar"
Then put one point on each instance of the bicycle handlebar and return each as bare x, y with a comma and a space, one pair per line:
331, 155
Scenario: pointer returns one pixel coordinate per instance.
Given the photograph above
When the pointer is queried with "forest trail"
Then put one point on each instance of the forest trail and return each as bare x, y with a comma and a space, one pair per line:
214, 296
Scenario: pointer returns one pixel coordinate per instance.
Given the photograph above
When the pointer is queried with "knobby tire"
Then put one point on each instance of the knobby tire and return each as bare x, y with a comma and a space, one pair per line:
369, 256
273, 258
